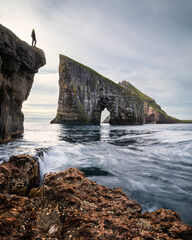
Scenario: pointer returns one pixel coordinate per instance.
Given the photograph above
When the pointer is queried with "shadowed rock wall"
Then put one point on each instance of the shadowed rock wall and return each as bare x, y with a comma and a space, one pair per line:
84, 94
18, 64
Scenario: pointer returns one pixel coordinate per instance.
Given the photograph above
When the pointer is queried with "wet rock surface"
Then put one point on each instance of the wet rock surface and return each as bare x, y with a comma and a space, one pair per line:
18, 64
19, 175
70, 206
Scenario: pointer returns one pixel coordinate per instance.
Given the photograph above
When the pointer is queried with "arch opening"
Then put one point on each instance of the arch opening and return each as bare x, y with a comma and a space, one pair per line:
105, 116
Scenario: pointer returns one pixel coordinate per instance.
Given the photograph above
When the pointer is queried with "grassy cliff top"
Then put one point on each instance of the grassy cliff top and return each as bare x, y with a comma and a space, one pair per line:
95, 72
136, 91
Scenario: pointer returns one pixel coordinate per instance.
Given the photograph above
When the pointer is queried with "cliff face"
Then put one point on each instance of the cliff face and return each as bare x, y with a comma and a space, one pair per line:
70, 206
151, 110
18, 64
84, 94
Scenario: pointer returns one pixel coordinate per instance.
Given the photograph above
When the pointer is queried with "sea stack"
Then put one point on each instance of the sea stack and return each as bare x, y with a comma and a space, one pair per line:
18, 64
84, 94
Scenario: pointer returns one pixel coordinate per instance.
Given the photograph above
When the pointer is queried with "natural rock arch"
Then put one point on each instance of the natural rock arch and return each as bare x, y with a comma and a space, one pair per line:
84, 94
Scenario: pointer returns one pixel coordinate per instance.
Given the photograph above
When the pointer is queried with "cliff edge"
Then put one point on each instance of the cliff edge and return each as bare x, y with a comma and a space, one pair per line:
18, 64
151, 110
84, 94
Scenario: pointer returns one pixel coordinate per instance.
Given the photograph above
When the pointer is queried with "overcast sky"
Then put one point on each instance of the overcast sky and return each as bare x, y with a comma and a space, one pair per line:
145, 42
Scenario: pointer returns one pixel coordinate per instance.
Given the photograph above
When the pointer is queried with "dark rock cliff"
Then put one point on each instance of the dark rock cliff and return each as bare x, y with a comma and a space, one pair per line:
151, 110
70, 206
18, 64
84, 94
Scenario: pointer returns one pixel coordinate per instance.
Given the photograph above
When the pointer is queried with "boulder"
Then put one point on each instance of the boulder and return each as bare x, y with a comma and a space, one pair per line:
19, 175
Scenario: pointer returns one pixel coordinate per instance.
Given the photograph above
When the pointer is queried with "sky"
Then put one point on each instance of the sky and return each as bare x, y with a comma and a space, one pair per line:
145, 42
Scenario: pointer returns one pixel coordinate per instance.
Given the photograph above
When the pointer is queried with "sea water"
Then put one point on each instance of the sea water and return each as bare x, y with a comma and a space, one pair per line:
151, 163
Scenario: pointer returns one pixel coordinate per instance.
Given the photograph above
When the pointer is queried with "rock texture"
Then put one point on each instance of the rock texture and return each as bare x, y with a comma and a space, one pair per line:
152, 112
84, 94
19, 175
70, 206
18, 64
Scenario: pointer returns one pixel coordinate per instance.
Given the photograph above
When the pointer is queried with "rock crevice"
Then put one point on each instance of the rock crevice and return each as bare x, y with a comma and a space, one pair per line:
18, 64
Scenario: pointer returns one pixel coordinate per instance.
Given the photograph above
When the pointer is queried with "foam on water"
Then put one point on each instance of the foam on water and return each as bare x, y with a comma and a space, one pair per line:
152, 163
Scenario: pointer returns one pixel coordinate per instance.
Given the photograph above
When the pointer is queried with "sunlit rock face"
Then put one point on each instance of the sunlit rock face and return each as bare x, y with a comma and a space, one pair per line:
84, 94
18, 64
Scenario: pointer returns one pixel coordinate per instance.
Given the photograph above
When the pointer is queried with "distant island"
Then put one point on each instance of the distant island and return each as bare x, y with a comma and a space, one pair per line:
84, 94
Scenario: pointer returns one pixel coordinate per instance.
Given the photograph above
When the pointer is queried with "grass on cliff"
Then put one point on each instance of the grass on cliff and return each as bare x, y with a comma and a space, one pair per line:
131, 90
137, 92
94, 72
146, 98
185, 121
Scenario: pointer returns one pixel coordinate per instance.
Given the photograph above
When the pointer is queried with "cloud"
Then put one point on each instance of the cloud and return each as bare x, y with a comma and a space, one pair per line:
145, 42
42, 101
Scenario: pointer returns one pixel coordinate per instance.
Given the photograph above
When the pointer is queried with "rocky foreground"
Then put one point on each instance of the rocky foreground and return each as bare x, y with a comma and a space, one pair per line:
70, 206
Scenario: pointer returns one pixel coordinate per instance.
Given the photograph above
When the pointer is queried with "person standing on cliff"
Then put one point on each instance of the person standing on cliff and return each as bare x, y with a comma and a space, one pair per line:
34, 41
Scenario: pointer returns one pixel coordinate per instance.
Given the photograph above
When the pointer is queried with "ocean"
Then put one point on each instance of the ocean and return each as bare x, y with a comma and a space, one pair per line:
151, 163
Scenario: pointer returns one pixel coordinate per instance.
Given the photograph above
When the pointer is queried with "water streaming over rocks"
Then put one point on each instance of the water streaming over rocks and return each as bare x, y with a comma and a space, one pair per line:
151, 163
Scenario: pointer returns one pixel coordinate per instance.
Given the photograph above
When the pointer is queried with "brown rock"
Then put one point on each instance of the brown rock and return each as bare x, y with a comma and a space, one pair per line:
70, 206
19, 175
17, 218
90, 211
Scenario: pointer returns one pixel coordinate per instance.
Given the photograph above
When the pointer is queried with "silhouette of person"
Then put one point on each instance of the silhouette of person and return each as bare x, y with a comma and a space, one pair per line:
34, 41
